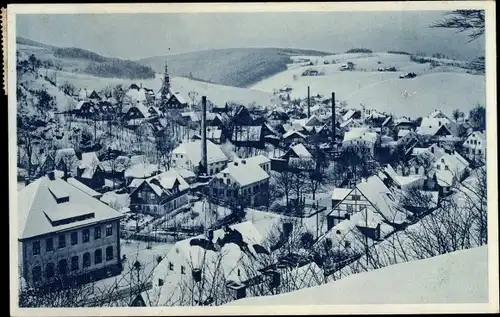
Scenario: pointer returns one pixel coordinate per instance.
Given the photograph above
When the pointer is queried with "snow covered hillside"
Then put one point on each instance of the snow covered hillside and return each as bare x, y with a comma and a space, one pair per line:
444, 87
458, 277
218, 94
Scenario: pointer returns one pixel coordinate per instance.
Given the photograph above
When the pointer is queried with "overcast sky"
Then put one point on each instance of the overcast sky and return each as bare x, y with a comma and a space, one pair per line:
135, 36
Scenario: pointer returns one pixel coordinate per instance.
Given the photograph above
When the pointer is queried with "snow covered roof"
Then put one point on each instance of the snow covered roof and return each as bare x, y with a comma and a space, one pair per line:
230, 260
441, 279
84, 188
48, 206
192, 150
448, 167
382, 198
179, 97
141, 170
360, 134
244, 173
348, 115
163, 182
136, 96
340, 193
89, 162
301, 151
294, 133
430, 126
258, 160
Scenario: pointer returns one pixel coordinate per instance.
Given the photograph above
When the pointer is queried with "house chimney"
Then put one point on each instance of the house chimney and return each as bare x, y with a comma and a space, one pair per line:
333, 118
51, 175
308, 102
204, 160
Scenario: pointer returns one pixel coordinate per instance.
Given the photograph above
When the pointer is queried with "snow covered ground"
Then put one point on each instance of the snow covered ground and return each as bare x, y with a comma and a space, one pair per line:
444, 88
458, 277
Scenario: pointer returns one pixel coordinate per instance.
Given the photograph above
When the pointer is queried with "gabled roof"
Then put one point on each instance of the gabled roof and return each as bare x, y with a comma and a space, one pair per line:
294, 132
244, 173
89, 162
455, 164
340, 193
301, 151
348, 115
68, 153
40, 213
179, 98
430, 126
258, 160
192, 150
383, 199
164, 182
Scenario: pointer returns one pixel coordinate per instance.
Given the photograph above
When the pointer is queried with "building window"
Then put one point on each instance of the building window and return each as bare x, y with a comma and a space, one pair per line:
97, 233
160, 282
49, 270
139, 195
446, 167
63, 267
355, 197
109, 253
183, 270
438, 167
109, 230
49, 244
37, 273
97, 256
62, 241
36, 247
152, 196
74, 238
86, 235
349, 208
170, 266
86, 259
75, 263
479, 151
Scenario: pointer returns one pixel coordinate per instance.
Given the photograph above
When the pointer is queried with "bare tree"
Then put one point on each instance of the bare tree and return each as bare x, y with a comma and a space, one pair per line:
471, 21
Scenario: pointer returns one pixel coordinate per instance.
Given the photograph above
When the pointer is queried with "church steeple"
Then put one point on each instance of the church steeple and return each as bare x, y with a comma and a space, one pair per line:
165, 89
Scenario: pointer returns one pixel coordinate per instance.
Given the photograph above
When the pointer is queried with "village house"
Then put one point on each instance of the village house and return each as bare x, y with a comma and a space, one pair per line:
136, 114
350, 124
188, 155
221, 109
85, 109
140, 169
248, 136
475, 146
434, 127
236, 252
361, 137
277, 116
248, 179
176, 101
404, 123
159, 195
114, 168
90, 171
299, 157
449, 169
65, 233
376, 192
293, 136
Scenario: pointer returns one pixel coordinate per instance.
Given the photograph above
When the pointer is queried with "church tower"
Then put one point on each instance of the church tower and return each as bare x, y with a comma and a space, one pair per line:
165, 89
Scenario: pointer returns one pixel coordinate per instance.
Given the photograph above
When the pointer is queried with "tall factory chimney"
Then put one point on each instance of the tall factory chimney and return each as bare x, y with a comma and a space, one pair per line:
204, 160
308, 102
333, 119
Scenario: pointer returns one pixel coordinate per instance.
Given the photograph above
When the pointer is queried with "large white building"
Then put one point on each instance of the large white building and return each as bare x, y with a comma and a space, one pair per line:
64, 232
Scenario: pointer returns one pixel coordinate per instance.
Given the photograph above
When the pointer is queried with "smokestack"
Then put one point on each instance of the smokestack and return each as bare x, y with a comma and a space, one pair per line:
204, 160
333, 118
308, 102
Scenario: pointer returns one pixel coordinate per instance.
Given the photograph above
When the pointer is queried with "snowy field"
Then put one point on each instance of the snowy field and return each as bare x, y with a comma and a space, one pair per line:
444, 87
458, 277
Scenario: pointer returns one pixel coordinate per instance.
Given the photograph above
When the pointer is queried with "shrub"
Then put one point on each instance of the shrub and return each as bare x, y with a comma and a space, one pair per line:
359, 50
398, 52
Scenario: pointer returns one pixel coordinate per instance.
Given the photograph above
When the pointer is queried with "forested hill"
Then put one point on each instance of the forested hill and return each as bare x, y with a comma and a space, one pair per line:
78, 60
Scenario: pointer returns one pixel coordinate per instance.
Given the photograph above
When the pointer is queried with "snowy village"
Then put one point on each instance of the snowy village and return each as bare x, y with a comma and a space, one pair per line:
156, 188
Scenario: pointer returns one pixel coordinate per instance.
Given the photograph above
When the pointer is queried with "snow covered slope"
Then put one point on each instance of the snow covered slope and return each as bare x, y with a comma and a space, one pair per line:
458, 277
218, 94
441, 87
